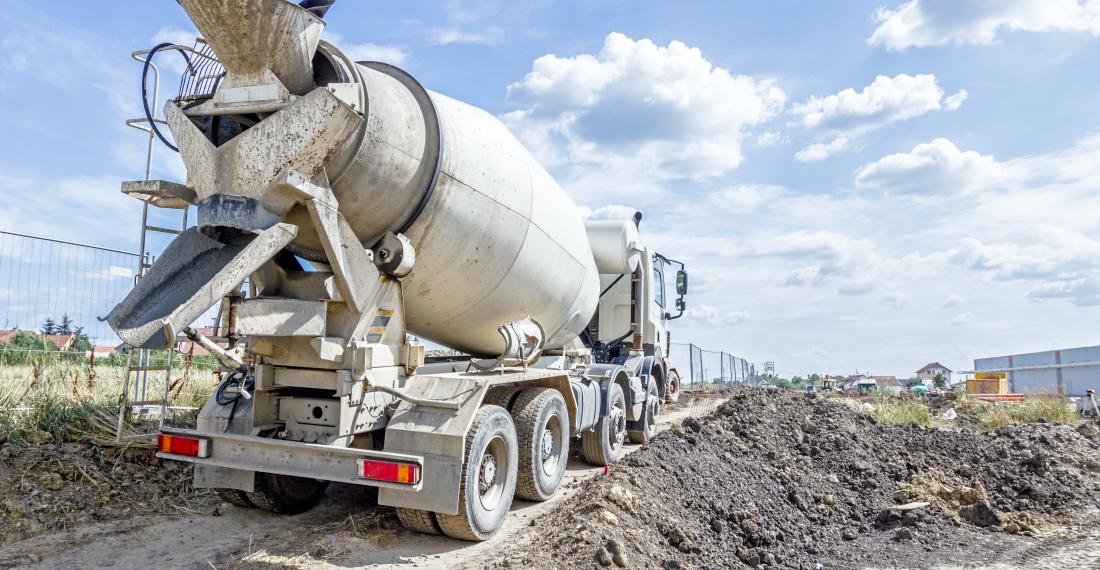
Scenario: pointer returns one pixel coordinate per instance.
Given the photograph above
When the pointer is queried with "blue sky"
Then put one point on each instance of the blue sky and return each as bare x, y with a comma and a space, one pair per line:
869, 185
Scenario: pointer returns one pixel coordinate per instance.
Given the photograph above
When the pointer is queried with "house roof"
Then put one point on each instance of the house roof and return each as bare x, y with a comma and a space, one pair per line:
61, 341
931, 365
887, 380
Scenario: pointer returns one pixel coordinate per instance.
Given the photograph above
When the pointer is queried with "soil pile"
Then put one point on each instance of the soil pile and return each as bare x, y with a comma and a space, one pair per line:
48, 486
777, 479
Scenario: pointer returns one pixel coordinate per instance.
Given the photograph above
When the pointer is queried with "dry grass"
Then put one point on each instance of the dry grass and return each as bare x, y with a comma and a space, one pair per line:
72, 400
1054, 409
898, 411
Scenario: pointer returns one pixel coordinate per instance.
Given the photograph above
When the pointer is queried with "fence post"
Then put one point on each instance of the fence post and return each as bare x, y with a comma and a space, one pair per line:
691, 362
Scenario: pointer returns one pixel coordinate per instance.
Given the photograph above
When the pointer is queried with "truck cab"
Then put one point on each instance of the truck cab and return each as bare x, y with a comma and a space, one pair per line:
641, 292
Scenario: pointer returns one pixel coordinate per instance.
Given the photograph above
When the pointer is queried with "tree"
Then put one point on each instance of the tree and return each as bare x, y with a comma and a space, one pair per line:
49, 327
939, 381
66, 326
815, 378
912, 382
29, 341
81, 343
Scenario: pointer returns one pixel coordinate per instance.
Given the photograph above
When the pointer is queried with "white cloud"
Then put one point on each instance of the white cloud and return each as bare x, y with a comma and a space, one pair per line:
821, 151
937, 167
850, 114
895, 299
614, 212
953, 301
639, 111
744, 197
922, 23
391, 54
963, 319
716, 317
487, 35
1083, 291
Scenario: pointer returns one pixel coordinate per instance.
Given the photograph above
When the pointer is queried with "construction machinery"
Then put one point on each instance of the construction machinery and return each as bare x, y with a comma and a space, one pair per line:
342, 206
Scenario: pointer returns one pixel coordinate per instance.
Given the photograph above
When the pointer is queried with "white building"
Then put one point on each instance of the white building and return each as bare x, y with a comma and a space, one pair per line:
929, 371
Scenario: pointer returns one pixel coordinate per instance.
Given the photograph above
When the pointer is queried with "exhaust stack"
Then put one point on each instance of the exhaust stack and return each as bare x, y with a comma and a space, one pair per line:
260, 42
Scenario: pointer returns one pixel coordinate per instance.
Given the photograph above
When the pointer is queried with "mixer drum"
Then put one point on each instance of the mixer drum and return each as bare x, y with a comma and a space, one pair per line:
496, 238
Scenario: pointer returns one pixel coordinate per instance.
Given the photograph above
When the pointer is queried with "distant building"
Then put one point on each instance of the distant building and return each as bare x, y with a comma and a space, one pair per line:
889, 384
1071, 371
61, 341
928, 372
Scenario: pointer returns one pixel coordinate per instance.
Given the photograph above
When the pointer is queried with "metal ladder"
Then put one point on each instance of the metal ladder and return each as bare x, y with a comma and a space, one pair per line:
160, 194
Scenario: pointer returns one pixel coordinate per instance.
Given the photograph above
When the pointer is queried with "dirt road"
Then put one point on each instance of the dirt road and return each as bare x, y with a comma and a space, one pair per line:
346, 531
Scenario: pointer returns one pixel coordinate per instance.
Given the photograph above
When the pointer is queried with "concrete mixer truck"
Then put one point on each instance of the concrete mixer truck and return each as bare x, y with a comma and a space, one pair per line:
342, 207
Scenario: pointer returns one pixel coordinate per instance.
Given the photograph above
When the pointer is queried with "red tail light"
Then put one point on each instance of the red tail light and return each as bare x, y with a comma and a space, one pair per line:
389, 471
183, 445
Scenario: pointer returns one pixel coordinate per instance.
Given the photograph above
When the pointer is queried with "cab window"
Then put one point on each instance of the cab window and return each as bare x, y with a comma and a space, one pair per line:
659, 284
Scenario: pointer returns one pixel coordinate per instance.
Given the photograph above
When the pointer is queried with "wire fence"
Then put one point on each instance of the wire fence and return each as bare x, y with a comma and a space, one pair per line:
52, 341
703, 369
44, 281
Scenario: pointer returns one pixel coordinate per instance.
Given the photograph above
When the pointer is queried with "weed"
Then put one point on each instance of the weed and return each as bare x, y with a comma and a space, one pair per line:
1048, 408
898, 411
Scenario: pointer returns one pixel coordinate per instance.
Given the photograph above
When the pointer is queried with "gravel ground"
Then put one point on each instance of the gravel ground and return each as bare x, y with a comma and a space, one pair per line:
777, 479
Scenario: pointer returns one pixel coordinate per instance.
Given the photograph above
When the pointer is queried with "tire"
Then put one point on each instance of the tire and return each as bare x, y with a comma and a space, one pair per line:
419, 521
286, 495
542, 428
502, 397
235, 497
603, 444
491, 453
647, 425
672, 388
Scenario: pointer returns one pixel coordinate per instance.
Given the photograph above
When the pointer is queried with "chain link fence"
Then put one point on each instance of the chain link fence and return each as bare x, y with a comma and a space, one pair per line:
55, 350
702, 369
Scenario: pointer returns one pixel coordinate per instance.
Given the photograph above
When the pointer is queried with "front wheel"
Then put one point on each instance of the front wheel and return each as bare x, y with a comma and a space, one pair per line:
603, 443
488, 479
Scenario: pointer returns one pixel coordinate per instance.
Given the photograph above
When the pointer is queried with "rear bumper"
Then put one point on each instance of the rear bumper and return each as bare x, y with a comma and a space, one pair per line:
251, 453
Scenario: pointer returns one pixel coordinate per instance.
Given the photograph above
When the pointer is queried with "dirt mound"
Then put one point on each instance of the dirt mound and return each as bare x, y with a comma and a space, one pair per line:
47, 486
777, 479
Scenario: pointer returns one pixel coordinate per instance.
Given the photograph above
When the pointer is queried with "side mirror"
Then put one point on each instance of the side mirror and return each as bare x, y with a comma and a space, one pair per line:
681, 305
681, 282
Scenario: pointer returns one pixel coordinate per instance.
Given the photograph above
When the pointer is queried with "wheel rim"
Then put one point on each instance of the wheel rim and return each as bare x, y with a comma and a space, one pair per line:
492, 471
652, 413
617, 416
550, 446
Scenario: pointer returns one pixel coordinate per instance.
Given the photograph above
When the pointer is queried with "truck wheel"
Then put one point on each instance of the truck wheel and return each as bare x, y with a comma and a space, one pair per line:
542, 426
235, 497
603, 443
488, 478
672, 390
502, 397
647, 425
419, 521
286, 495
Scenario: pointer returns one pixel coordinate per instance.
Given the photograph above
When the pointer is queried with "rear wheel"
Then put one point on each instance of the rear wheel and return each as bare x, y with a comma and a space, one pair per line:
542, 427
647, 425
420, 521
235, 497
488, 479
603, 443
286, 495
